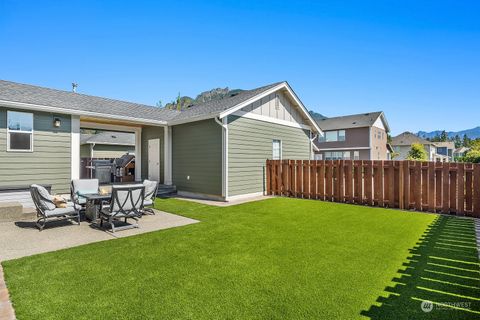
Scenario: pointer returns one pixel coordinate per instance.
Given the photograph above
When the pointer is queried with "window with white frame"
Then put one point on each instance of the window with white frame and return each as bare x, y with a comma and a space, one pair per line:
356, 155
332, 136
276, 149
19, 131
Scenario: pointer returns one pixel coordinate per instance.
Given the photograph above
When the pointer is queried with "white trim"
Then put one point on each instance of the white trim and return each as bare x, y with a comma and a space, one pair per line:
379, 124
37, 107
75, 147
193, 119
223, 123
167, 158
251, 115
245, 196
106, 126
283, 85
138, 154
20, 131
110, 144
340, 148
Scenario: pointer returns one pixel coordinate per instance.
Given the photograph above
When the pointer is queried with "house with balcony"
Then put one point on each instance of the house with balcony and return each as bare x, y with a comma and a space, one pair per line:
353, 137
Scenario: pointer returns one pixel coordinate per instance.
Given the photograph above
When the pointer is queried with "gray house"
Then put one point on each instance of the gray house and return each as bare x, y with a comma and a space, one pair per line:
353, 137
403, 143
215, 150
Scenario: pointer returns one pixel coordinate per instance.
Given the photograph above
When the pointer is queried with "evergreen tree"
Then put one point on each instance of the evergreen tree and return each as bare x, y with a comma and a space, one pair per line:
443, 136
466, 141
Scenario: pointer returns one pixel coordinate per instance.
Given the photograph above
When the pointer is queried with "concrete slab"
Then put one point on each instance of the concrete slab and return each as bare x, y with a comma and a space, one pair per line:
21, 238
224, 203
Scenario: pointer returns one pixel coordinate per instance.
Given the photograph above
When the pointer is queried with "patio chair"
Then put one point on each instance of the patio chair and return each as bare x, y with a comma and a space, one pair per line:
126, 203
82, 186
46, 209
151, 188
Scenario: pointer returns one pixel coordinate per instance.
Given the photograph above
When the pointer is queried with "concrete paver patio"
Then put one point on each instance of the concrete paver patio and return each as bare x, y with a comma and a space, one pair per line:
22, 238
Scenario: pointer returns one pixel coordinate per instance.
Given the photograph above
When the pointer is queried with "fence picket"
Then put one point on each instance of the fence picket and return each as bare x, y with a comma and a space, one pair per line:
446, 187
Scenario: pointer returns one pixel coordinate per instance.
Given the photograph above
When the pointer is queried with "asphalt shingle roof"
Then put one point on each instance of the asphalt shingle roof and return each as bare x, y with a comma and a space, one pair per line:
24, 93
217, 106
407, 138
350, 121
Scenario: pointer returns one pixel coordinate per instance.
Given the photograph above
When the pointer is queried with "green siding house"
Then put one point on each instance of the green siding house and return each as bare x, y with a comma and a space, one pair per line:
215, 150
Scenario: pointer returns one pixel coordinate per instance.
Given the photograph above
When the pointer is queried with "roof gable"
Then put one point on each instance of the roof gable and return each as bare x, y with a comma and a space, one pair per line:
361, 120
407, 139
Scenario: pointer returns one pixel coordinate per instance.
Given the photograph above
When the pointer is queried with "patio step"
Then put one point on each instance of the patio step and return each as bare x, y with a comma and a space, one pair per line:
13, 211
166, 190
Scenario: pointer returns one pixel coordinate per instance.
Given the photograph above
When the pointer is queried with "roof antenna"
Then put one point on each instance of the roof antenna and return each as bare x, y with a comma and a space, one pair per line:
74, 86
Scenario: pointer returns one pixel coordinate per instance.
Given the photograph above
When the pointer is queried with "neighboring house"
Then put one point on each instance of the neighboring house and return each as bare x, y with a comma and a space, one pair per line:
460, 152
445, 151
214, 150
107, 144
403, 143
354, 137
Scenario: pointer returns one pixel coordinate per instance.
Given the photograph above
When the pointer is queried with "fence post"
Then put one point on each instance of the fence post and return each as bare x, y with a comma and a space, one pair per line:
269, 177
461, 188
446, 189
476, 190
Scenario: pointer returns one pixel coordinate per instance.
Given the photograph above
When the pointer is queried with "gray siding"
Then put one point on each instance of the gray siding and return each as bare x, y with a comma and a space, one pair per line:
148, 133
49, 163
250, 145
197, 157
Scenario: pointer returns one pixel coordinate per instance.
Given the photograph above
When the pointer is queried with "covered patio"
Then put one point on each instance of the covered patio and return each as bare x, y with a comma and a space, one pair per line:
151, 150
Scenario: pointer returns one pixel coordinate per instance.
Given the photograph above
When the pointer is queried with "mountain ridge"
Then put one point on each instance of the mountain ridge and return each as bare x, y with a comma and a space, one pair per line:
472, 133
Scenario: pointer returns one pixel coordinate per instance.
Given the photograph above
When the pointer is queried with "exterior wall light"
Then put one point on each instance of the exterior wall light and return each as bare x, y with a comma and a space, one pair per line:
57, 122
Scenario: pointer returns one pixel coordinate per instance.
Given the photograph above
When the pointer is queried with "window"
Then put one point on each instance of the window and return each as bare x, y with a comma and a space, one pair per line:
356, 155
318, 156
19, 131
331, 136
337, 155
276, 149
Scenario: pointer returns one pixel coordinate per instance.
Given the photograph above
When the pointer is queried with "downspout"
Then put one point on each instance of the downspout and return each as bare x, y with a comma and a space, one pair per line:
223, 124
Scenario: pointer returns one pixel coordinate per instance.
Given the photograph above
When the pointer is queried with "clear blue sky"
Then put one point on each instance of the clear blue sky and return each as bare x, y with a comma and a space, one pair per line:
419, 61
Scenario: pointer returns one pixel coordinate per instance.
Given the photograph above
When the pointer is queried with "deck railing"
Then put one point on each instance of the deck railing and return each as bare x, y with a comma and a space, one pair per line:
452, 188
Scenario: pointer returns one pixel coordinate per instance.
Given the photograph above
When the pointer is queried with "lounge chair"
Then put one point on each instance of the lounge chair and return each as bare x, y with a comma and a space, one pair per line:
82, 186
126, 203
46, 209
151, 188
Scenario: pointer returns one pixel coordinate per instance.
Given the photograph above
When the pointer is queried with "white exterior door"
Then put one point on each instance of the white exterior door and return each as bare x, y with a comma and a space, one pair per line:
154, 159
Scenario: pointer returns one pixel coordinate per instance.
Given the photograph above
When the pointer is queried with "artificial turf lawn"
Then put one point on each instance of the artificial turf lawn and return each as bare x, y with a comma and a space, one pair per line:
274, 259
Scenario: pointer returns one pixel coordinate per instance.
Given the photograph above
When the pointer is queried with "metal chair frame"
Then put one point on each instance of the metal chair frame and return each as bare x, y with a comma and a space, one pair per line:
41, 215
109, 215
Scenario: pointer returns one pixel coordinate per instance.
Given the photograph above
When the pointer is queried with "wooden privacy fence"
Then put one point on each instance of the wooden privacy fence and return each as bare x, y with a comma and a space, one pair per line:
452, 188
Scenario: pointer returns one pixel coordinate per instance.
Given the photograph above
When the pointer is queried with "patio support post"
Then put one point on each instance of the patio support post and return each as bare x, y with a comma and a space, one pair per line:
75, 147
138, 154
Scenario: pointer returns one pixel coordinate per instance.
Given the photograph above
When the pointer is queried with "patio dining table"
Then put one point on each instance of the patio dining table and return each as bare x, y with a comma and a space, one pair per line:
93, 204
